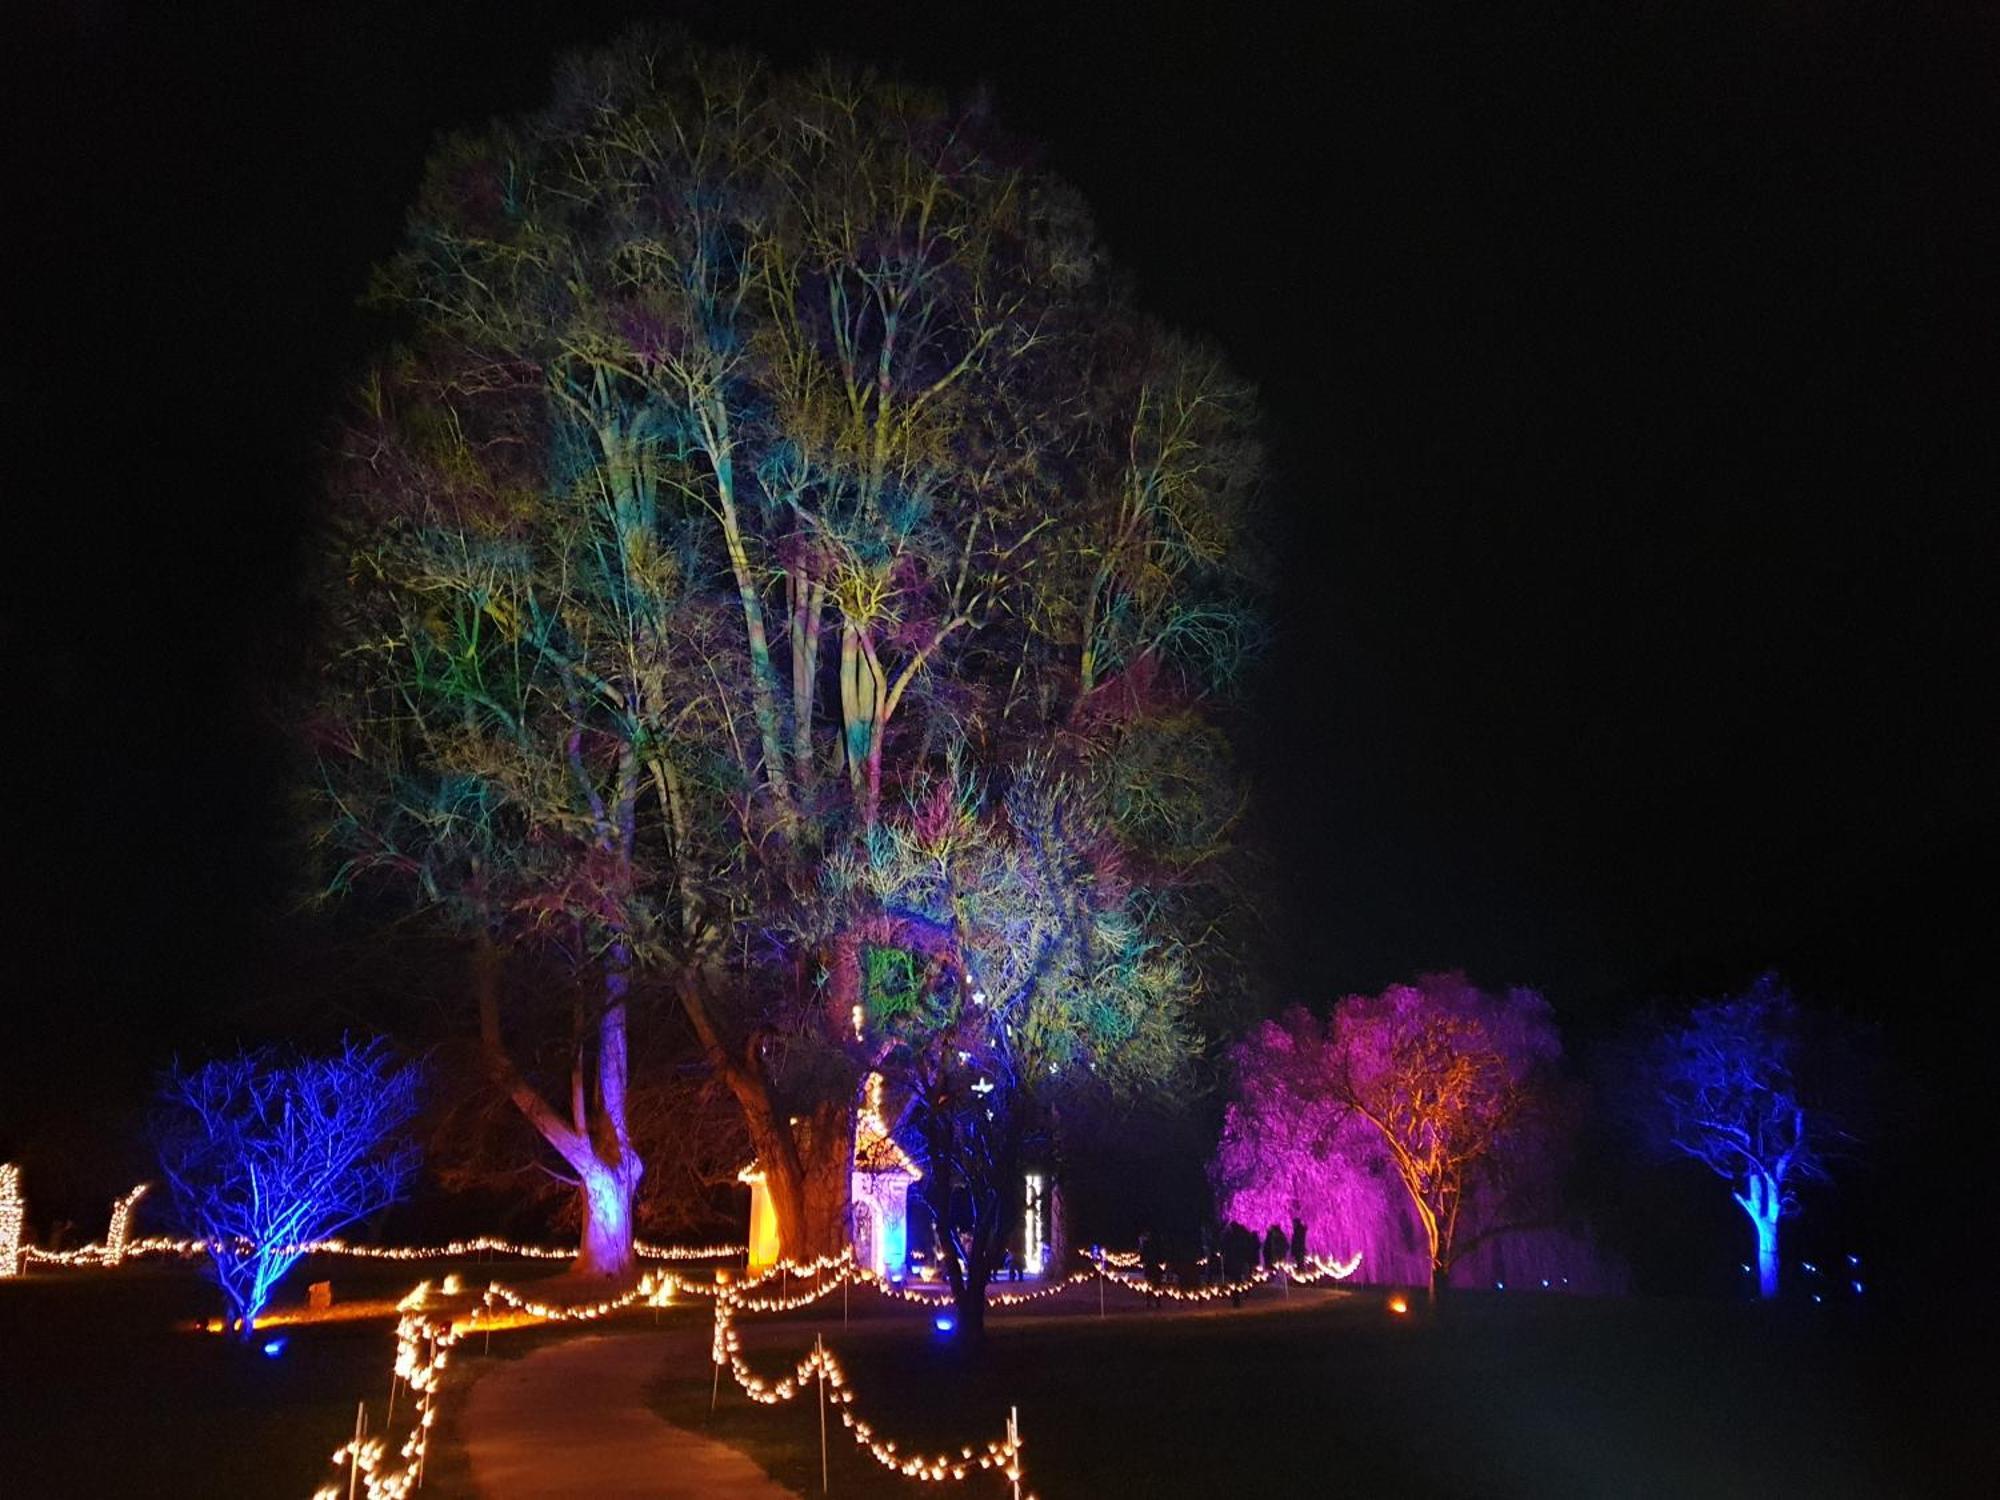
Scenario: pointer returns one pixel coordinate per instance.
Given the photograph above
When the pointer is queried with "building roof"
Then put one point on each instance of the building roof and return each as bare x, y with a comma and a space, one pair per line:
875, 1149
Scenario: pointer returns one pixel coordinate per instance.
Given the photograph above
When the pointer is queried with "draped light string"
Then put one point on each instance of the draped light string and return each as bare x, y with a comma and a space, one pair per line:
424, 1339
648, 1292
117, 1247
1317, 1269
425, 1336
1326, 1268
88, 1255
1002, 1454
423, 1349
942, 1297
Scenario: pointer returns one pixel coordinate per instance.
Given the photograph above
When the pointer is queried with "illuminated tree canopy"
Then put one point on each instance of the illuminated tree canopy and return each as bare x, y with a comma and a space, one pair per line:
760, 444
1746, 1087
1435, 1098
1034, 982
266, 1151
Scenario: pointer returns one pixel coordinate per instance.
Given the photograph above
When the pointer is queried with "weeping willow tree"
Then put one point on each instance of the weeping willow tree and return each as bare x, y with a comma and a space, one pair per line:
756, 444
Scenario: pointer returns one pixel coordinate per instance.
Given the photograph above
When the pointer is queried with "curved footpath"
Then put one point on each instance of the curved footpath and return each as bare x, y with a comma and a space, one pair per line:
572, 1420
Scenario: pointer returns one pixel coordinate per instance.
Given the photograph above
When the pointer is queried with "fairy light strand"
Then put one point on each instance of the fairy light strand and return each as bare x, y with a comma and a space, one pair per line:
160, 1245
432, 1322
121, 1224
1002, 1454
13, 1212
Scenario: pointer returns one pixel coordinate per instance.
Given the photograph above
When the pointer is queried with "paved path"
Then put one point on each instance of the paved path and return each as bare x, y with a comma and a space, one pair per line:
571, 1420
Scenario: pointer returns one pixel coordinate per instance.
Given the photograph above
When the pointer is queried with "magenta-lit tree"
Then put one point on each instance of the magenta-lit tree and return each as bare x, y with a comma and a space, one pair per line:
1730, 1083
1435, 1101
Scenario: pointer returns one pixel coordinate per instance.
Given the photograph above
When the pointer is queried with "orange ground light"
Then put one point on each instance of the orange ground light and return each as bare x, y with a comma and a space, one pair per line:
475, 1320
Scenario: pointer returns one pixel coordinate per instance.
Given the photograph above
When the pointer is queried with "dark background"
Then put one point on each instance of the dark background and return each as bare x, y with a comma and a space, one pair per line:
1630, 372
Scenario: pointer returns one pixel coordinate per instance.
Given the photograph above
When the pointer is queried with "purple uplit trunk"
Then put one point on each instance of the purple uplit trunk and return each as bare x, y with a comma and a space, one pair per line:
608, 1170
594, 1141
605, 1251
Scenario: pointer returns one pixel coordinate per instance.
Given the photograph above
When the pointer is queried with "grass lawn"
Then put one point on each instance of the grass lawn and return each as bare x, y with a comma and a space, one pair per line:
1326, 1394
104, 1393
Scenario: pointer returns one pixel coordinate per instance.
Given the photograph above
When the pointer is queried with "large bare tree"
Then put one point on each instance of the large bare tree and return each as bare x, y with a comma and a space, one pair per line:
758, 442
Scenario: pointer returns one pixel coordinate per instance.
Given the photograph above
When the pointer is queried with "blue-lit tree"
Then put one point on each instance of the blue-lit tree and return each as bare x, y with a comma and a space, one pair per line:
1745, 1085
267, 1151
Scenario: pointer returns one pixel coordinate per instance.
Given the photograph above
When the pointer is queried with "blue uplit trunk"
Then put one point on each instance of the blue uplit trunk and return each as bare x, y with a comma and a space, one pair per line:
243, 1309
1767, 1257
1763, 1202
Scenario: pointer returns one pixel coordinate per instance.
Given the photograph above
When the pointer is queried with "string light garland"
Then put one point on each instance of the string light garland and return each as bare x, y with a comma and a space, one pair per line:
160, 1245
13, 1211
121, 1224
941, 1296
1316, 1269
820, 1367
423, 1349
434, 1320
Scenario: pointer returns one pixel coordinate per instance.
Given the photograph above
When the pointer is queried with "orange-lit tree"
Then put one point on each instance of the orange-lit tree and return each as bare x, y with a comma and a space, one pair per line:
1451, 1086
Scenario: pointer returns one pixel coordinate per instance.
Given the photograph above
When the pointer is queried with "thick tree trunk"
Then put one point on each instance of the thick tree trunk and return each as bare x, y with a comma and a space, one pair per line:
969, 1297
597, 1147
827, 1157
1767, 1258
805, 1162
1763, 1202
985, 1185
806, 1169
605, 1251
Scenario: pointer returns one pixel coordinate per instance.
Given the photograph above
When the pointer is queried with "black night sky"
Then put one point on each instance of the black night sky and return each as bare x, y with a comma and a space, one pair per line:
1629, 368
